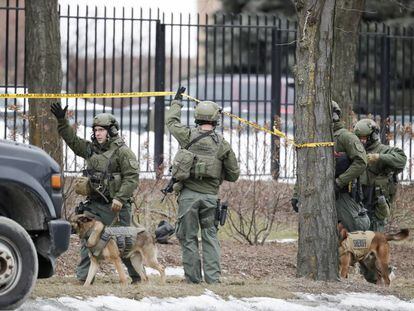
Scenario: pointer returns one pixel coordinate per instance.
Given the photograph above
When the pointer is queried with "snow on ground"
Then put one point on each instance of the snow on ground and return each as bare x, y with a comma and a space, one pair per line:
169, 271
211, 301
282, 241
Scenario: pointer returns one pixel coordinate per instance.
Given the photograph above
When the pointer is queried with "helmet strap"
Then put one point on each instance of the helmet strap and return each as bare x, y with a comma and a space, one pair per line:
372, 138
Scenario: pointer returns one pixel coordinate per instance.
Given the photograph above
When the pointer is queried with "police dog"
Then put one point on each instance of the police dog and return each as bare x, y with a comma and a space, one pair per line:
142, 250
369, 248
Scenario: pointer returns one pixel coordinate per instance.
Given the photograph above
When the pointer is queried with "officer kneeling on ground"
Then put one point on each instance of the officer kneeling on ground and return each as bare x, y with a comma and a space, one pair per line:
200, 166
350, 210
350, 163
109, 180
379, 183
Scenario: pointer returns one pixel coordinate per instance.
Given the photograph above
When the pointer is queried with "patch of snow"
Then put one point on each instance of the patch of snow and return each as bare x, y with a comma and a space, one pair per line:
286, 240
169, 271
358, 301
211, 301
283, 240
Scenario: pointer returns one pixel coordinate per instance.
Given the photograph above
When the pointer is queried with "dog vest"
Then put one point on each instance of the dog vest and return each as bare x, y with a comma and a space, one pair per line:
125, 238
358, 243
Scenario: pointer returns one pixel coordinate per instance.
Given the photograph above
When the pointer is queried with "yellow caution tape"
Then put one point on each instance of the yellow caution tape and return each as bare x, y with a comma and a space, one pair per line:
315, 145
278, 133
88, 95
258, 127
275, 131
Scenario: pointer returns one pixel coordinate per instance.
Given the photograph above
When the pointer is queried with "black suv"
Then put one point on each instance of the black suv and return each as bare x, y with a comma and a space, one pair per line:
32, 235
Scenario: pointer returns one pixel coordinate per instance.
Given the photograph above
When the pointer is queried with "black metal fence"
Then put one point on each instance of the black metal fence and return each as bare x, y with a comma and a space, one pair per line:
384, 83
244, 63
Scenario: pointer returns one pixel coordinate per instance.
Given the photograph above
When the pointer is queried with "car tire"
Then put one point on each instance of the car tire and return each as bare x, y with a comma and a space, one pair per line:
18, 262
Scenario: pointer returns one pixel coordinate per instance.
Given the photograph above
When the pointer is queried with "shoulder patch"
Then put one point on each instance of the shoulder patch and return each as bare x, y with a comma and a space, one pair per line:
134, 164
358, 146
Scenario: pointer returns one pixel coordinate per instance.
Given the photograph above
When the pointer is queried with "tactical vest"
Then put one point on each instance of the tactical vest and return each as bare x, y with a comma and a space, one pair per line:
103, 171
358, 243
200, 160
383, 182
125, 238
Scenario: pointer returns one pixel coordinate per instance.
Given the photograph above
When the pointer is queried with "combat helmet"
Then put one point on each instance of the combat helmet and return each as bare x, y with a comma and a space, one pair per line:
336, 111
367, 128
207, 111
107, 121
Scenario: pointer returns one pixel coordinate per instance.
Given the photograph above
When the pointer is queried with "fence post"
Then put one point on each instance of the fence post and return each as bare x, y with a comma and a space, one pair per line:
385, 87
159, 109
275, 108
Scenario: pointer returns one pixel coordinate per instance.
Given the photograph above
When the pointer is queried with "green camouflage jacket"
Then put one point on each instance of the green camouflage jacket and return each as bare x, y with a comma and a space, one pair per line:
123, 164
348, 142
391, 161
184, 134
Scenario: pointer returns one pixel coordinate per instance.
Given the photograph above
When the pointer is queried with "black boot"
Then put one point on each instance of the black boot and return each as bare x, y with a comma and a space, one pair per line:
136, 279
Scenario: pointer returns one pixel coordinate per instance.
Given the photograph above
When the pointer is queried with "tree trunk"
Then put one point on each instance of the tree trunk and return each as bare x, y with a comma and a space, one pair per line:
347, 19
318, 242
43, 72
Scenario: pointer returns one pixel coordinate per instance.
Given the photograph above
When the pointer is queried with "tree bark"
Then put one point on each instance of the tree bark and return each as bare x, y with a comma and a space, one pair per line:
43, 72
347, 20
318, 242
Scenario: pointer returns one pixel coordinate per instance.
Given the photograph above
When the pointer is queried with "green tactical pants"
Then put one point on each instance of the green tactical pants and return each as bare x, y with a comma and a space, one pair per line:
197, 210
349, 213
103, 212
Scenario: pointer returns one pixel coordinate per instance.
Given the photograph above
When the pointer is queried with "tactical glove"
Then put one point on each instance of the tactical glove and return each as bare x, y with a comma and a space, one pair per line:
294, 203
179, 94
56, 109
372, 157
116, 206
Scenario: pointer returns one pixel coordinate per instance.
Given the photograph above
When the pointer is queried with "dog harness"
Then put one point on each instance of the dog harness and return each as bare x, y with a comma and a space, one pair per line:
358, 243
125, 238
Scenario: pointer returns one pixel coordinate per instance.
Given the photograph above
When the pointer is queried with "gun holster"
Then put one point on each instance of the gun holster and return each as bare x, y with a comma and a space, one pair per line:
221, 214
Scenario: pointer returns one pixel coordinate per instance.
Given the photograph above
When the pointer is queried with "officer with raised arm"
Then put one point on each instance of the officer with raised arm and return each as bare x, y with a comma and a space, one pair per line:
204, 161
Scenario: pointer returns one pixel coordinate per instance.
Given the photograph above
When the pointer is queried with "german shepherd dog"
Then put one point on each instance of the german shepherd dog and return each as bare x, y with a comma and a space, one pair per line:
377, 251
143, 250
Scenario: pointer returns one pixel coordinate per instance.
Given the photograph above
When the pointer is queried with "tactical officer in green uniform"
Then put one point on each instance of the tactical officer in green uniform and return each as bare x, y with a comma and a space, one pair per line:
203, 162
350, 163
379, 180
348, 148
110, 178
